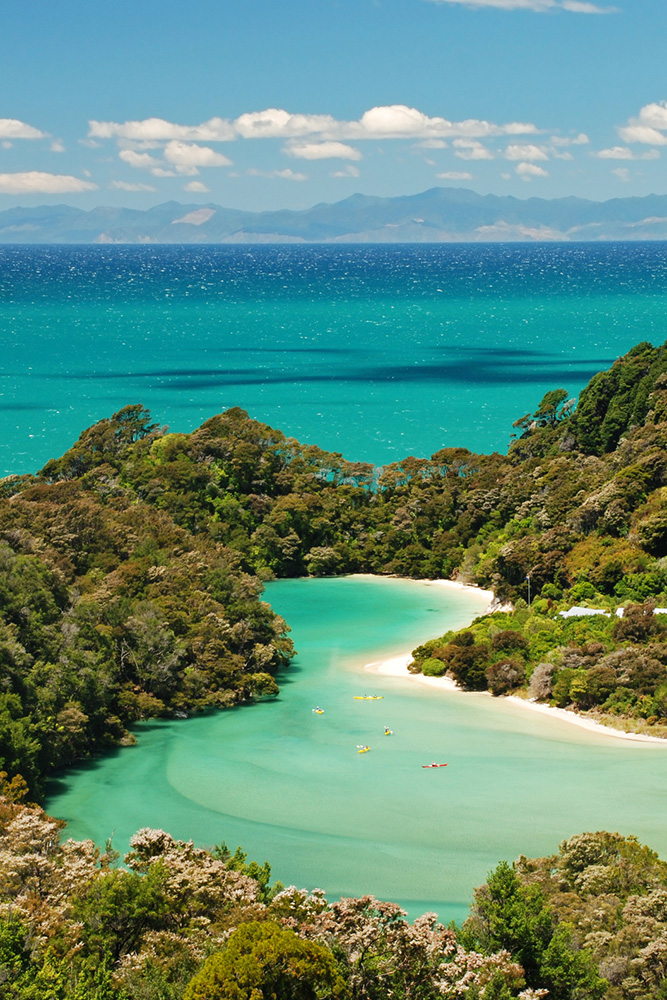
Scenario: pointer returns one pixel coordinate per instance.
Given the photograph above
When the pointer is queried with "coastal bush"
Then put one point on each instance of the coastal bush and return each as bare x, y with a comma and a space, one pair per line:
182, 923
603, 663
263, 959
433, 667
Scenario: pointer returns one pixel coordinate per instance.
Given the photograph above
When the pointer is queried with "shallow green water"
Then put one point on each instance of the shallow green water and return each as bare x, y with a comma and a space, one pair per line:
289, 785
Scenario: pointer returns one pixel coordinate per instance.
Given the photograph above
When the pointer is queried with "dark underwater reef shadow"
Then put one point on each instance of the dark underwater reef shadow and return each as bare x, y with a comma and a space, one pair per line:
464, 374
27, 407
473, 368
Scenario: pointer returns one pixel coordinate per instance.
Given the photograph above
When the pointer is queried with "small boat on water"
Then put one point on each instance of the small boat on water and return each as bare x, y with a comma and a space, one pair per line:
434, 765
362, 748
388, 731
318, 710
368, 697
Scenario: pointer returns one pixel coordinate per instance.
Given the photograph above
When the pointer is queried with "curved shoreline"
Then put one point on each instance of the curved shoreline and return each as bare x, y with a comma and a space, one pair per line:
397, 666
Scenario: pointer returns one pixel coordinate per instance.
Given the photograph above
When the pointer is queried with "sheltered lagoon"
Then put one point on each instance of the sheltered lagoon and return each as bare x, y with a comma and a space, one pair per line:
288, 784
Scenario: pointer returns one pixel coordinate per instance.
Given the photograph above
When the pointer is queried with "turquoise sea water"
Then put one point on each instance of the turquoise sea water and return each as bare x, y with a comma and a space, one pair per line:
378, 352
290, 786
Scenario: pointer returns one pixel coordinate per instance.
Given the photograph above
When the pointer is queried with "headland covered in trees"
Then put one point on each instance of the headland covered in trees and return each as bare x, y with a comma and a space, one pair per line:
130, 573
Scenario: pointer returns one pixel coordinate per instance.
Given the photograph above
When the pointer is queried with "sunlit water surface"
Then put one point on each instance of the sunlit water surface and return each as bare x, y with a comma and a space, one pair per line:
289, 785
375, 351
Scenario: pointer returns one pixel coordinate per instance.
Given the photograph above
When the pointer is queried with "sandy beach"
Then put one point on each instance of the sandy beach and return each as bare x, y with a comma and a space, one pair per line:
397, 666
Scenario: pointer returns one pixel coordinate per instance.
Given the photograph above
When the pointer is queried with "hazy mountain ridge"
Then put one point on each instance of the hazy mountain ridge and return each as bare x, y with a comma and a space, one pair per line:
439, 215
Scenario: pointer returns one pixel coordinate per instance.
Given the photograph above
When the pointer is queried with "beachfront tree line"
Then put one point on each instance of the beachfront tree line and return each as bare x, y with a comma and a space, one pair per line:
184, 923
614, 669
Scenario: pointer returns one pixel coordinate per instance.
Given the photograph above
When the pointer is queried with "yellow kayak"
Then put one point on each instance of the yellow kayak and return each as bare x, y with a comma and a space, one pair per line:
368, 697
363, 749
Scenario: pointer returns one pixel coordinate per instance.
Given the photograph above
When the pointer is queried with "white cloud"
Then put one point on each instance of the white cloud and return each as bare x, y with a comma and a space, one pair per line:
395, 121
624, 153
622, 173
648, 127
654, 114
141, 161
636, 132
399, 121
538, 6
57, 146
196, 187
179, 158
529, 170
7, 145
561, 140
285, 175
616, 153
186, 157
347, 171
12, 128
36, 182
276, 123
469, 149
124, 186
455, 175
525, 152
157, 130
323, 151
432, 144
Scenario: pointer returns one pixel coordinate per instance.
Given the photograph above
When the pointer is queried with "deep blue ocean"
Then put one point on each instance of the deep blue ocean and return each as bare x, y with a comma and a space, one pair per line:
375, 351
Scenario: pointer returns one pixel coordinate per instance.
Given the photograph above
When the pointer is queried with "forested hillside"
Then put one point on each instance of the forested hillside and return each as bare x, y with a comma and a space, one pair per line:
131, 567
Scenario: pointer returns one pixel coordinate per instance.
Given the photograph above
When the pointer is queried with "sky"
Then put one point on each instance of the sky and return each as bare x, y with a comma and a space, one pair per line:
270, 104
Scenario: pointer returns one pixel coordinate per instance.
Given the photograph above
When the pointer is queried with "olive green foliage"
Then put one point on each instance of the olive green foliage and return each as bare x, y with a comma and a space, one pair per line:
601, 664
622, 398
508, 914
238, 862
110, 612
179, 923
263, 959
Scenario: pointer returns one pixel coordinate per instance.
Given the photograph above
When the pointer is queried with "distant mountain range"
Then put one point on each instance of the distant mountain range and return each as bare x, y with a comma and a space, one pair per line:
440, 215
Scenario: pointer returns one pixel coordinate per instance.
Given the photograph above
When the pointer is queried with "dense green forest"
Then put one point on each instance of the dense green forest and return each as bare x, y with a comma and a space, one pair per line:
131, 573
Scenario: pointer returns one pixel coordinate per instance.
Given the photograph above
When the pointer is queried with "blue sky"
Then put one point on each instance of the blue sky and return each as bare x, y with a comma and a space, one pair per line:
264, 104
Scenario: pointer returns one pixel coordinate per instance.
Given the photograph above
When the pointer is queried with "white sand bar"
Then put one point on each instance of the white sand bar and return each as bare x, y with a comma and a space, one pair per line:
397, 666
